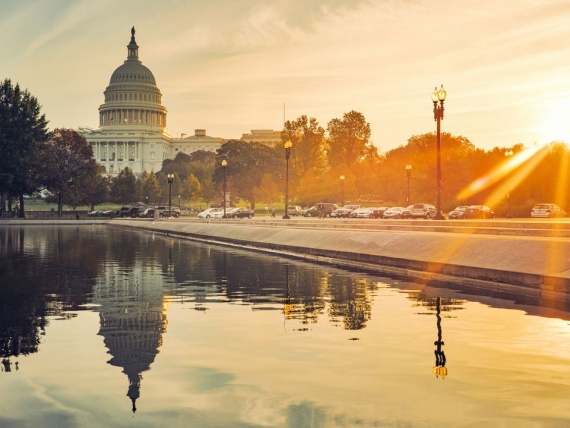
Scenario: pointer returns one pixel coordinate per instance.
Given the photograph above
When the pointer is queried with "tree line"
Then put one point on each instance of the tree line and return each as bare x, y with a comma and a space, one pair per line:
59, 165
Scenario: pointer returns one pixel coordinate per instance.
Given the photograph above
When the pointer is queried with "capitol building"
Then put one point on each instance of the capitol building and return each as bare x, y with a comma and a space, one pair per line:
132, 122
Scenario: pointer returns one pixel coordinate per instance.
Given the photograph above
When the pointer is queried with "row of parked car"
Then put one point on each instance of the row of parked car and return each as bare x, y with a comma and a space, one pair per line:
140, 211
231, 212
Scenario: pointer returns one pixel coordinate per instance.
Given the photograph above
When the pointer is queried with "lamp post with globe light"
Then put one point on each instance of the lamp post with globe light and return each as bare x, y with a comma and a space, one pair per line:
224, 164
438, 95
170, 178
508, 154
288, 144
342, 177
408, 174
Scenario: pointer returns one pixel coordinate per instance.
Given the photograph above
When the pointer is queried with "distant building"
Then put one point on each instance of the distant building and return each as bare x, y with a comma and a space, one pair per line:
132, 122
267, 137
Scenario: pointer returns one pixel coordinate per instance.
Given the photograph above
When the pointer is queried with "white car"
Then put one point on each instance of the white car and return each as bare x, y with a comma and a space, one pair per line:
547, 211
210, 212
363, 213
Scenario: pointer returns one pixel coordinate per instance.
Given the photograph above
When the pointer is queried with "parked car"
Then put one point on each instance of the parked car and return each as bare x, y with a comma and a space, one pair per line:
240, 213
124, 212
108, 213
394, 212
165, 212
94, 213
547, 211
294, 210
458, 212
407, 212
426, 211
379, 212
137, 211
327, 208
344, 211
479, 211
363, 213
207, 213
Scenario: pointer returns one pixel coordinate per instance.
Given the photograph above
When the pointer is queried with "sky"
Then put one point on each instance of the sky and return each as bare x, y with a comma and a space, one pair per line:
230, 66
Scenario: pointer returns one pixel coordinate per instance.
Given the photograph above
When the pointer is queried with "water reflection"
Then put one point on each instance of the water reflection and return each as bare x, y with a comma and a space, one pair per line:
439, 369
137, 283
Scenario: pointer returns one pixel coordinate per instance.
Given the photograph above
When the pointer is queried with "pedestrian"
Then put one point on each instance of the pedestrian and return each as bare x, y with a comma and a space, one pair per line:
272, 211
76, 216
321, 211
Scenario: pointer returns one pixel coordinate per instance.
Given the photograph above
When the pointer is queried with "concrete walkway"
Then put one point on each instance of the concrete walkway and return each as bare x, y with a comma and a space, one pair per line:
533, 256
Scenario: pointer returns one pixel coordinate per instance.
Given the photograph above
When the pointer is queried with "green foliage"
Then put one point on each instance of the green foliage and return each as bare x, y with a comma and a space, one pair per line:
23, 135
69, 172
124, 187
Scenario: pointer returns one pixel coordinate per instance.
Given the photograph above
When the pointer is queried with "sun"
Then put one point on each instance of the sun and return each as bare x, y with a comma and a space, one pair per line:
555, 125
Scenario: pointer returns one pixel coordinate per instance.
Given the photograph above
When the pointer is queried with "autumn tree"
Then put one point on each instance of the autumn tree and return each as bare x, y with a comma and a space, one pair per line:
23, 135
308, 139
150, 190
69, 171
348, 139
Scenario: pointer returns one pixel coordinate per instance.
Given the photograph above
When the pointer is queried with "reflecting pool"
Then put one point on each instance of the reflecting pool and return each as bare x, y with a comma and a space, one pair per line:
102, 327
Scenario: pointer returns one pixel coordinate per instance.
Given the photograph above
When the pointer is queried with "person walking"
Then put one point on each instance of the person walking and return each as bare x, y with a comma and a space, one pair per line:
272, 211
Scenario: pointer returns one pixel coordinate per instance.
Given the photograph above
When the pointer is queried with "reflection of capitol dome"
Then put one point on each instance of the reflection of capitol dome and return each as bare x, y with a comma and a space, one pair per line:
133, 319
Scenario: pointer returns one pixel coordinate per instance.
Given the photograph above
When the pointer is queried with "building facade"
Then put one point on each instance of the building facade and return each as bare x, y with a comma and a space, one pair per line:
132, 122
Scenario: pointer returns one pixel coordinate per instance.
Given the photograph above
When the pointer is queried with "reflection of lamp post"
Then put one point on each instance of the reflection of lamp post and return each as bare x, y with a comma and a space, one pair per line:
342, 187
170, 180
508, 154
438, 95
408, 173
287, 146
439, 369
224, 164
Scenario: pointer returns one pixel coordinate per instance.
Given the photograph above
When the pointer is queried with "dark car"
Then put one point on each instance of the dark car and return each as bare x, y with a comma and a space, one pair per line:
241, 213
458, 212
379, 212
137, 211
407, 213
327, 209
344, 211
479, 211
124, 212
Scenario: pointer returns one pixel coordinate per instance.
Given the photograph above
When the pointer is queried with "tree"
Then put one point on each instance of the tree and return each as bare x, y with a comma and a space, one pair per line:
191, 188
124, 187
149, 187
308, 143
247, 163
69, 170
23, 135
348, 139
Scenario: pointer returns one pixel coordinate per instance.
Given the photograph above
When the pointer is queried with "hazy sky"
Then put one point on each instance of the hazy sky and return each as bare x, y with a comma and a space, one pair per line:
230, 66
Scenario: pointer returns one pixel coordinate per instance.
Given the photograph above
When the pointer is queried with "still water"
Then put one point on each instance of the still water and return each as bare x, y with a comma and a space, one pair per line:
101, 327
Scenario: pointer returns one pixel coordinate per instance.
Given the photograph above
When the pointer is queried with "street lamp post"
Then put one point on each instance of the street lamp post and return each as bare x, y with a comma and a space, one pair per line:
408, 173
342, 190
224, 164
288, 144
170, 180
438, 95
508, 154
178, 201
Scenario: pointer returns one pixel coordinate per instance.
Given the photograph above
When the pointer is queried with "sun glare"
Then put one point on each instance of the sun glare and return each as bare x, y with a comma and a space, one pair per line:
513, 171
555, 125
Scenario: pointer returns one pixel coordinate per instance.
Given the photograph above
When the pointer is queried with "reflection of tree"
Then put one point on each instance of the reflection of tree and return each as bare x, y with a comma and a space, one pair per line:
350, 300
45, 272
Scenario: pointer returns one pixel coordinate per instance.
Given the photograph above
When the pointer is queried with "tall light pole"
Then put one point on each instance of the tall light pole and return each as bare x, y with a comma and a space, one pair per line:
170, 180
224, 164
178, 201
438, 95
288, 144
408, 173
508, 154
342, 187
